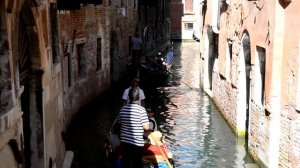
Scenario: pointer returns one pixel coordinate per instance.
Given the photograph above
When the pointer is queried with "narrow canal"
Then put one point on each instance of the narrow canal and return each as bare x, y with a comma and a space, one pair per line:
196, 133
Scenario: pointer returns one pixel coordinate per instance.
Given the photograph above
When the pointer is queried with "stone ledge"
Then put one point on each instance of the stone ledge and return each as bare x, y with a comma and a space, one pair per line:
9, 119
251, 165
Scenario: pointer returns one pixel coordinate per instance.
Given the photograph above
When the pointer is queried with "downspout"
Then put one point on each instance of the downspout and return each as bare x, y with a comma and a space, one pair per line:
215, 15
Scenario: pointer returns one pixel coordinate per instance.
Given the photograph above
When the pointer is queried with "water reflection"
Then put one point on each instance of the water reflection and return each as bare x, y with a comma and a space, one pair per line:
197, 133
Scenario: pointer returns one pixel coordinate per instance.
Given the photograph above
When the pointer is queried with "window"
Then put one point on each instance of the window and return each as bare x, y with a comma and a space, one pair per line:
111, 2
80, 59
188, 26
54, 33
135, 4
99, 54
67, 53
69, 69
260, 64
188, 7
228, 60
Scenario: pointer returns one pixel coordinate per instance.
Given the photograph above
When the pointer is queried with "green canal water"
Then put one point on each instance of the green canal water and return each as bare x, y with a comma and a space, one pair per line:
196, 133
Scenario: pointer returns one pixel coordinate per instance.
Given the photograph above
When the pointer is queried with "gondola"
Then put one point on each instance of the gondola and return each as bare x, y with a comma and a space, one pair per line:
112, 144
158, 68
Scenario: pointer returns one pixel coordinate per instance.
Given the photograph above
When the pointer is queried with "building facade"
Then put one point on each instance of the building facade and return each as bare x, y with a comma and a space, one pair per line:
154, 25
185, 19
251, 69
57, 55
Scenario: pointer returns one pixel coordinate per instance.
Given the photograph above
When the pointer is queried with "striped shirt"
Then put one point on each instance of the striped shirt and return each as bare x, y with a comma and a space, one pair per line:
132, 117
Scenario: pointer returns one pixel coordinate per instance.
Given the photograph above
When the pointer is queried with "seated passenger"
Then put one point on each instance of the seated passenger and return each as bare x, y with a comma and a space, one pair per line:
153, 124
156, 152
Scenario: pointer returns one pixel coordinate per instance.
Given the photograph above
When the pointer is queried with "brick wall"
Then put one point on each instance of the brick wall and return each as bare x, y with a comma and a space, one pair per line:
57, 92
273, 133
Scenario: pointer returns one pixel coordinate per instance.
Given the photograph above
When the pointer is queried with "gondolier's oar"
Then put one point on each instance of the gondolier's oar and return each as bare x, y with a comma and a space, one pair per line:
117, 118
181, 80
161, 151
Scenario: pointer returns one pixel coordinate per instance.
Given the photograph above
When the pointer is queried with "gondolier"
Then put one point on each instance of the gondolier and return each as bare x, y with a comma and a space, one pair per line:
137, 48
134, 121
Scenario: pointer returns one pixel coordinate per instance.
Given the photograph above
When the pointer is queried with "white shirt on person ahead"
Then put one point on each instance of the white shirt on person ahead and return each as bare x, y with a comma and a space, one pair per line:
126, 97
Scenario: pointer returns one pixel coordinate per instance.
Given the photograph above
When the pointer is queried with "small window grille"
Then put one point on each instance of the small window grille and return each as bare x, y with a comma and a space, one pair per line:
188, 26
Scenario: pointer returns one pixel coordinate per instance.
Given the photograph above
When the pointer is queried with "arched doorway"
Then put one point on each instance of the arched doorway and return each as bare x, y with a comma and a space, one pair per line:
114, 58
244, 79
29, 77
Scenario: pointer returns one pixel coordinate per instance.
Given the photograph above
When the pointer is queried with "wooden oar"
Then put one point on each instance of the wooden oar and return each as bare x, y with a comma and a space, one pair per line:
161, 151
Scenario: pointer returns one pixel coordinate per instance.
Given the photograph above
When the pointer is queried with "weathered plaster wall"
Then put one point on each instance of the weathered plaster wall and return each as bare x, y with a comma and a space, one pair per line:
273, 126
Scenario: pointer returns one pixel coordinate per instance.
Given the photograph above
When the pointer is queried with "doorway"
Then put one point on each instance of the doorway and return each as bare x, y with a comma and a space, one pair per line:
244, 79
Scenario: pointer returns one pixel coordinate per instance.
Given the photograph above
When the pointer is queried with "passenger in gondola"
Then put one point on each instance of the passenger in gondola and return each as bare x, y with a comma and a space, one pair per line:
170, 58
153, 124
160, 62
115, 147
149, 63
156, 152
134, 85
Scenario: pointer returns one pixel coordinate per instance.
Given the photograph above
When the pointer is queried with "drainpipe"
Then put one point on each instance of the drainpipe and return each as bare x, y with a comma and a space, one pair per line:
215, 15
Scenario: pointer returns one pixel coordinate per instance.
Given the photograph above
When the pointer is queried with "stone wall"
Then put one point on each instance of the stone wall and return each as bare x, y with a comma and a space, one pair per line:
55, 89
71, 51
